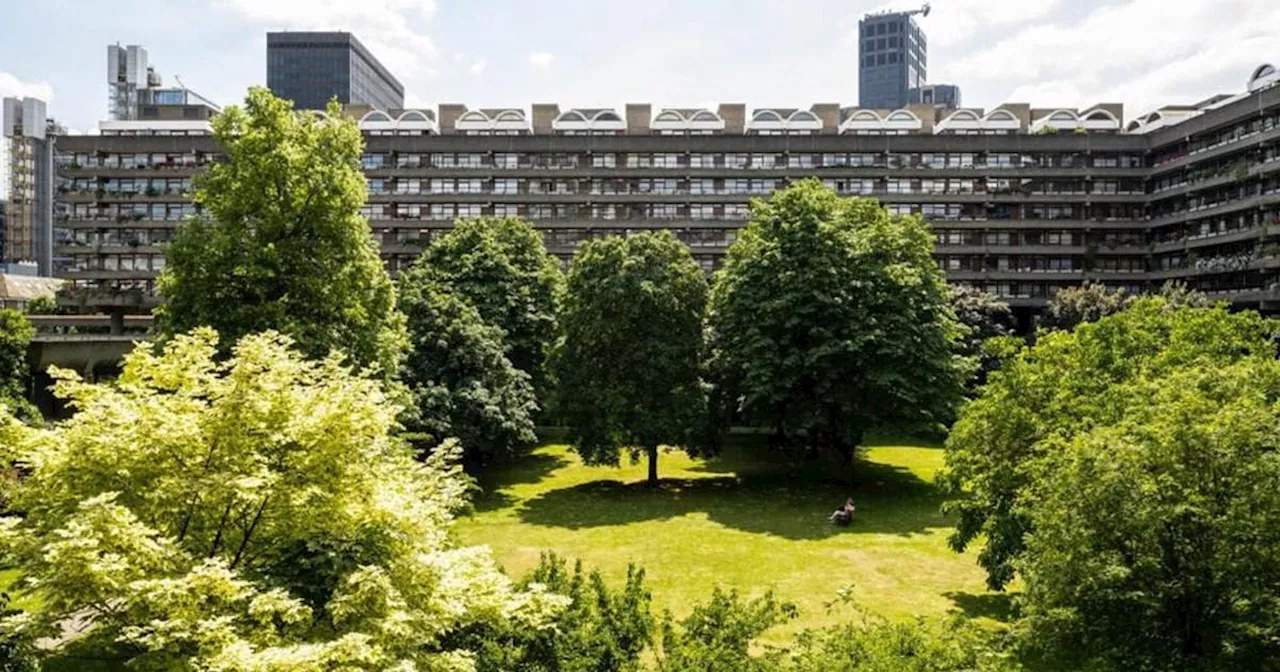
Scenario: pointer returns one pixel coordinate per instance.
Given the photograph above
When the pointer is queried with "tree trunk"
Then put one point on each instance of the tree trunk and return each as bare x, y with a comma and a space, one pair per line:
653, 465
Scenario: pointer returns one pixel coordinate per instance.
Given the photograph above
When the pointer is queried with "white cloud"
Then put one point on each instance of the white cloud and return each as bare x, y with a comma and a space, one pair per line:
477, 67
391, 29
1141, 52
12, 86
541, 59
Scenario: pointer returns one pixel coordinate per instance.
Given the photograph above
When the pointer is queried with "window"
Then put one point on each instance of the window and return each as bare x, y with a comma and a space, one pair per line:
604, 160
881, 59
506, 160
702, 161
893, 58
702, 186
506, 186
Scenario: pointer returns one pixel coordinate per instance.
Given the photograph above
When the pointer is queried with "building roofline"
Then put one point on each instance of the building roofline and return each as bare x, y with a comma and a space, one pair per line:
349, 39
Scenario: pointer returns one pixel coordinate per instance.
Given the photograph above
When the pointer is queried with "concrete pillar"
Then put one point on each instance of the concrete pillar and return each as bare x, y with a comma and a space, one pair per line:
117, 322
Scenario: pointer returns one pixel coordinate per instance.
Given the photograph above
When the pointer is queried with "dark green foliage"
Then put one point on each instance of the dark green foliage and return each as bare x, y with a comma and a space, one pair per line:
1066, 384
15, 337
461, 382
501, 267
831, 318
1157, 536
628, 367
281, 244
983, 317
717, 636
16, 655
602, 630
1089, 302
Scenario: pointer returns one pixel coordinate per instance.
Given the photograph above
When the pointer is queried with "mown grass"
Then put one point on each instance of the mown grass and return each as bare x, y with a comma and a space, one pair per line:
742, 521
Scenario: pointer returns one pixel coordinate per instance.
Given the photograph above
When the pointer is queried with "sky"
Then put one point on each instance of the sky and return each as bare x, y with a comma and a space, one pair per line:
671, 53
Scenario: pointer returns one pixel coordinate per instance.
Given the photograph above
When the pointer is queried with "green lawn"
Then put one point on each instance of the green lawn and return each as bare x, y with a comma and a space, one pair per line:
743, 522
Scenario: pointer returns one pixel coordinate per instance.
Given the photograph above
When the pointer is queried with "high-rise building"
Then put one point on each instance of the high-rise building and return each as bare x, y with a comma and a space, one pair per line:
892, 58
128, 77
940, 95
312, 68
29, 134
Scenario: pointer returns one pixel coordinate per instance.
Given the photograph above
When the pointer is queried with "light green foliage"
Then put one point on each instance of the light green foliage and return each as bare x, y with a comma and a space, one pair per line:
830, 318
15, 337
501, 267
281, 243
628, 367
722, 635
42, 305
1067, 383
877, 645
1156, 541
249, 514
461, 382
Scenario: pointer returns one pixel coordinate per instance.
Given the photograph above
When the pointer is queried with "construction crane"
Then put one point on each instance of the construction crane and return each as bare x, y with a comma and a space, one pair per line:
923, 11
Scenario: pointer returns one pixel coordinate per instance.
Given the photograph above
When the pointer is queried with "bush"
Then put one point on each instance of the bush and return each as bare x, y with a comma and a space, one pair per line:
602, 630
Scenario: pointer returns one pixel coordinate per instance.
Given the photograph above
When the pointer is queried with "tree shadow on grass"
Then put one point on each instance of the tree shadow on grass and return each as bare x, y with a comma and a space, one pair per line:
792, 503
526, 469
996, 606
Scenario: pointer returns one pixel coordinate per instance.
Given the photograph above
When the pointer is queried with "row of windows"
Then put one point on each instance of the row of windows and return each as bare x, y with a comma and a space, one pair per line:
136, 160
745, 160
727, 186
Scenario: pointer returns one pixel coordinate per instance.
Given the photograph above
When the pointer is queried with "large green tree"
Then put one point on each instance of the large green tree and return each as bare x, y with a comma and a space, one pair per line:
458, 374
983, 317
1156, 542
829, 318
280, 243
1065, 384
628, 367
246, 514
15, 338
502, 267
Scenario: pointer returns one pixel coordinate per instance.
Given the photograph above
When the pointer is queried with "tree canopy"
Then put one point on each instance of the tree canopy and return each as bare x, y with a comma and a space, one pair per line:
281, 243
460, 379
1066, 383
252, 513
628, 368
1089, 302
1156, 535
982, 317
501, 267
16, 333
830, 318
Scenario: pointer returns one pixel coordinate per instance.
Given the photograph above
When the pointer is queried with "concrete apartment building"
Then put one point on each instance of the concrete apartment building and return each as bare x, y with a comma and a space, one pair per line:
312, 68
1023, 201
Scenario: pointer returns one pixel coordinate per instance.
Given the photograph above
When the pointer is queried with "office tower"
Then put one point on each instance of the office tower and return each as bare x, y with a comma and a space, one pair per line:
29, 135
892, 58
312, 68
